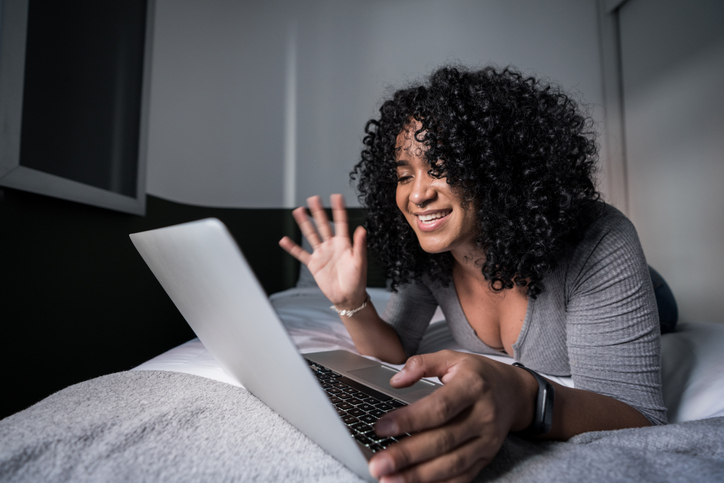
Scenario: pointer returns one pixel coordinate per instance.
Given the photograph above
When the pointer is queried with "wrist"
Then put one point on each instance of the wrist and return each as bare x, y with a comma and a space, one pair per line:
543, 402
528, 387
349, 309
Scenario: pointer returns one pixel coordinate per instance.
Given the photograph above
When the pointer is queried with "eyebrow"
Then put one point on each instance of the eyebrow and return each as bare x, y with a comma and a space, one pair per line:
401, 162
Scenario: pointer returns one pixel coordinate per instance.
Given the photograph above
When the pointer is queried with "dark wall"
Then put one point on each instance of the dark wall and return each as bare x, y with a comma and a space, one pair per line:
77, 301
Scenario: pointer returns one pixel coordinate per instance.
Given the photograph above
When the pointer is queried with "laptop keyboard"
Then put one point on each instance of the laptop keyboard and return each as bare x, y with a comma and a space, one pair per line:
359, 406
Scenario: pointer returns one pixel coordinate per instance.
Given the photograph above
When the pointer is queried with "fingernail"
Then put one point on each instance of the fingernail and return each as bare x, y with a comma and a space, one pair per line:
398, 376
381, 466
386, 427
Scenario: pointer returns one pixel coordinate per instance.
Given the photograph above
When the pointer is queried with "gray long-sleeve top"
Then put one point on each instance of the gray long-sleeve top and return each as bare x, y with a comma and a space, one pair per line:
596, 320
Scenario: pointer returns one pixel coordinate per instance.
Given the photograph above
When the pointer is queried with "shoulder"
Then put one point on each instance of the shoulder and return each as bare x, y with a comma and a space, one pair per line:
609, 237
606, 224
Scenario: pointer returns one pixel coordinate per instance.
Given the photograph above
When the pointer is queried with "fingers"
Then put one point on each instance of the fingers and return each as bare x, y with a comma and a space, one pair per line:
432, 411
441, 406
307, 227
360, 245
319, 230
437, 364
459, 464
433, 443
294, 250
320, 217
339, 215
455, 431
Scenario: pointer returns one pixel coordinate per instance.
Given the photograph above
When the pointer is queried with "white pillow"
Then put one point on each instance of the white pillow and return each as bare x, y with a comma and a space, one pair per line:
692, 371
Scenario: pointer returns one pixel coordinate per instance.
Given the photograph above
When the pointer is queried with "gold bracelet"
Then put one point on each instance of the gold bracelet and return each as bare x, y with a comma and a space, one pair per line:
350, 313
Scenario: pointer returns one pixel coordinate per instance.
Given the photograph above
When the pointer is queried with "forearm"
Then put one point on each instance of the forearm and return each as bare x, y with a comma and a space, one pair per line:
577, 411
373, 336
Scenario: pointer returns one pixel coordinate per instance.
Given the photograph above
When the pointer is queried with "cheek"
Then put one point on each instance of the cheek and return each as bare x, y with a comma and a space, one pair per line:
401, 199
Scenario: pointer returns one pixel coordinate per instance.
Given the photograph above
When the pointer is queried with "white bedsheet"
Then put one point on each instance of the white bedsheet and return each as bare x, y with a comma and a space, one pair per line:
692, 358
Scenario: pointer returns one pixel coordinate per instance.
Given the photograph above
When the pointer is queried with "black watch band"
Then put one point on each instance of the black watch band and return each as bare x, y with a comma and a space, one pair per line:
543, 407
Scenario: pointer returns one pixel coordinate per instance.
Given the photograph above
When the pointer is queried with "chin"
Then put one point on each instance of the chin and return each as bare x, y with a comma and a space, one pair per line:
433, 248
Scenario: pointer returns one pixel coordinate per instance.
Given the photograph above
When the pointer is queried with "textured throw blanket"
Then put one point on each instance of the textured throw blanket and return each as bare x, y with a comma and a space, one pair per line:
164, 426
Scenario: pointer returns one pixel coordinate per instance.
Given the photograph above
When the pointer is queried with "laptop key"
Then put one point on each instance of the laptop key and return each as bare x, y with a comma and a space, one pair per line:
361, 427
368, 419
362, 439
378, 413
344, 405
365, 407
355, 412
374, 436
387, 442
349, 419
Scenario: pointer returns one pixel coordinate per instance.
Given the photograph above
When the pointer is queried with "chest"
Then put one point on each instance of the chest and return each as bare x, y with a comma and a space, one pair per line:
496, 317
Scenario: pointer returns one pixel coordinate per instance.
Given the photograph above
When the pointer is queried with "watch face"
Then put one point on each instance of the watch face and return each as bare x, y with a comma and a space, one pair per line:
547, 410
544, 404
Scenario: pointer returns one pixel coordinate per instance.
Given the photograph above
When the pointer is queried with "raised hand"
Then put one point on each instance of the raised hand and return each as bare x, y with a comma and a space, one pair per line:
337, 263
460, 427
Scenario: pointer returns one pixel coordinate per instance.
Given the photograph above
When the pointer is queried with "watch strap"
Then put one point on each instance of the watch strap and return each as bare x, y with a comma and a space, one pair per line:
543, 420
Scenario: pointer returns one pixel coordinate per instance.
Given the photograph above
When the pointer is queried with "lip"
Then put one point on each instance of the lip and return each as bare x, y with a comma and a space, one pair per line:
427, 227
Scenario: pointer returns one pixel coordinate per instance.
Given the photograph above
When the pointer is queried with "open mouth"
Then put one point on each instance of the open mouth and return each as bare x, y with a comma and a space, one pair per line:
431, 218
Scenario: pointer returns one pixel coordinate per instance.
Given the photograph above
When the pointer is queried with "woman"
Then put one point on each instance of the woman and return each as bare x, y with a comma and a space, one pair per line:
480, 198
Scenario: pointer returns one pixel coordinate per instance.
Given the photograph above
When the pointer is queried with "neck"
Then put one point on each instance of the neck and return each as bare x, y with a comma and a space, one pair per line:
469, 261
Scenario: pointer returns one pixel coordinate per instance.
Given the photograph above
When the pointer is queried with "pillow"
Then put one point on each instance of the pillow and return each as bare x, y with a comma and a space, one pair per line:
691, 371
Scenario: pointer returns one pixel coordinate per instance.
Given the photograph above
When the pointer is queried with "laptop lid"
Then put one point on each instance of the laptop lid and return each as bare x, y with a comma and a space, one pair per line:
203, 271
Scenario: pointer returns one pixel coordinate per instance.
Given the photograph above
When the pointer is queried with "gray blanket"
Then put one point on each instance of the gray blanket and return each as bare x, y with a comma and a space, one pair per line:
164, 426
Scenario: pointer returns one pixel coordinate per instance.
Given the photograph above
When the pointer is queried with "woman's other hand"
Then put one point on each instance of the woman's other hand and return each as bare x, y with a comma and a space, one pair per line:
458, 429
337, 263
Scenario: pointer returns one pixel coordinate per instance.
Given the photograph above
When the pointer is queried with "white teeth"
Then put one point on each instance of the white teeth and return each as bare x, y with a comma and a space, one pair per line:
433, 216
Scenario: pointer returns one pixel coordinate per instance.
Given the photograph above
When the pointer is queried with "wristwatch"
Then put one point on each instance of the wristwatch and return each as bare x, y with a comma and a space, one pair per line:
543, 420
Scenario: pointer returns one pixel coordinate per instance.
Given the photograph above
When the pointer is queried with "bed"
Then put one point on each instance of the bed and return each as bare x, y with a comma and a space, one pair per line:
180, 417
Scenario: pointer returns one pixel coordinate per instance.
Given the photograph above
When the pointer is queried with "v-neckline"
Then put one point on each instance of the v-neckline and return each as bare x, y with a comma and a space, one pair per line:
471, 330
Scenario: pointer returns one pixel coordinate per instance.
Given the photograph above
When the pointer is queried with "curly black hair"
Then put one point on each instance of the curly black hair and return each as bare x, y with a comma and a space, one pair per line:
520, 151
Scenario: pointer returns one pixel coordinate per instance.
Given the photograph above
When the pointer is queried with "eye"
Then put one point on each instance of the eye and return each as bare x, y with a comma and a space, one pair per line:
403, 179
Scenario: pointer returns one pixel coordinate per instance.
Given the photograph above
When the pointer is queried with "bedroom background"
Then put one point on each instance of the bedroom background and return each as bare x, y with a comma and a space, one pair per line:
253, 106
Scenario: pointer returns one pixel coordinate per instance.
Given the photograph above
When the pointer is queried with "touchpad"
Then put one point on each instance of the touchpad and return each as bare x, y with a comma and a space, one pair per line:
380, 376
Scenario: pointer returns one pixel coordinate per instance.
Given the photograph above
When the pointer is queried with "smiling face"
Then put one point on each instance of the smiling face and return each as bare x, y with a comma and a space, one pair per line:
433, 208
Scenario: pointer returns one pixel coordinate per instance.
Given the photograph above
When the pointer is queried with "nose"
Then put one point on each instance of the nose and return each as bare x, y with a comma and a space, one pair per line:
423, 190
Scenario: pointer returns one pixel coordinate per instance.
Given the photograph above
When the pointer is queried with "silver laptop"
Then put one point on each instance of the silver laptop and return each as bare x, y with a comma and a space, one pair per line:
332, 397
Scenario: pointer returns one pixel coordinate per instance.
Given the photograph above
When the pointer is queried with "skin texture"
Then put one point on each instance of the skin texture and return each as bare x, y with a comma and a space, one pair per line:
418, 194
